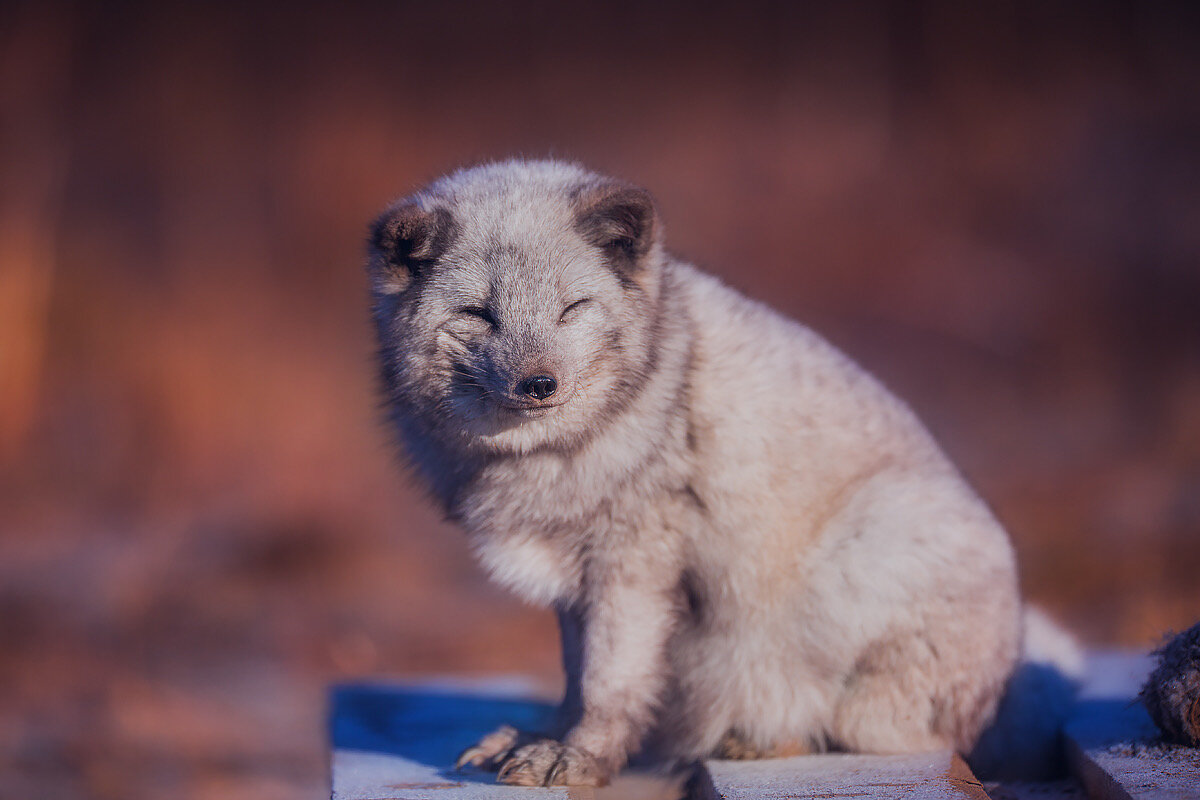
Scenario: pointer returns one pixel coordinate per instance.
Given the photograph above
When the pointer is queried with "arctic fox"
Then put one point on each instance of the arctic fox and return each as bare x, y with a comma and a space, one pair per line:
752, 546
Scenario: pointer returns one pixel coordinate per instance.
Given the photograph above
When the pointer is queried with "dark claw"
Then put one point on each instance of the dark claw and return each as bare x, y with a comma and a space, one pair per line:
511, 766
555, 769
472, 756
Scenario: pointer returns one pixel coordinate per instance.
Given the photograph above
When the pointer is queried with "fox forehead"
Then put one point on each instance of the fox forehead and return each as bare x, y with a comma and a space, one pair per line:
522, 204
512, 271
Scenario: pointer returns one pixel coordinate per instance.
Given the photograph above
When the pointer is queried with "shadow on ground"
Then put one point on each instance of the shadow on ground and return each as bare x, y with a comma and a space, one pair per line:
428, 725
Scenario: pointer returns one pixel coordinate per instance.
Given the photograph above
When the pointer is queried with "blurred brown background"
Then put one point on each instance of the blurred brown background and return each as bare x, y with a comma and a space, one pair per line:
996, 209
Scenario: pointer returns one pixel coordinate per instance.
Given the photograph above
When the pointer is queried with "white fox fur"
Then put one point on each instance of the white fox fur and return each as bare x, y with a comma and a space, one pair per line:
754, 548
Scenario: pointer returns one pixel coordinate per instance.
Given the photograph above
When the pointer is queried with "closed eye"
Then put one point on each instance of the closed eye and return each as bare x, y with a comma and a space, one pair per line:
479, 312
573, 307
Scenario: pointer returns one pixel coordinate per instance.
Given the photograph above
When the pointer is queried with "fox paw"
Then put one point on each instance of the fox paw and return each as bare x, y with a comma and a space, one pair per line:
551, 763
492, 749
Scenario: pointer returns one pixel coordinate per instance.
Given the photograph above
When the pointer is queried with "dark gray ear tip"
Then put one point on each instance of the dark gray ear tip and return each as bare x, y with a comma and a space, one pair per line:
613, 193
407, 233
380, 234
399, 220
617, 216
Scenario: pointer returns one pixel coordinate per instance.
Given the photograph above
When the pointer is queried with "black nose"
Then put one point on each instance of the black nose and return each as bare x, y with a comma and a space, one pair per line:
539, 387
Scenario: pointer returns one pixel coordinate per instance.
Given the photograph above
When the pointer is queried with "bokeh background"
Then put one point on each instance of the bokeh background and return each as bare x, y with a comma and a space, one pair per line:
994, 207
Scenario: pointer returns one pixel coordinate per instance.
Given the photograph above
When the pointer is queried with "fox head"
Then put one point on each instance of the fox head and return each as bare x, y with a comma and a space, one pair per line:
515, 304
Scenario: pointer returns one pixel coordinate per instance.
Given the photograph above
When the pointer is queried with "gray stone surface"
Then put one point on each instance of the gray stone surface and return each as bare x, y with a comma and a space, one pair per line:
926, 776
1114, 748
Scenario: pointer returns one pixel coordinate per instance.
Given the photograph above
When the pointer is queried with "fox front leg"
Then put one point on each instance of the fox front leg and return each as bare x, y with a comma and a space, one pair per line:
621, 671
493, 750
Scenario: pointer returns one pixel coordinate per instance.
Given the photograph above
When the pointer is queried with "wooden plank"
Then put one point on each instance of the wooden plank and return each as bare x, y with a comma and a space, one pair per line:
1114, 748
926, 776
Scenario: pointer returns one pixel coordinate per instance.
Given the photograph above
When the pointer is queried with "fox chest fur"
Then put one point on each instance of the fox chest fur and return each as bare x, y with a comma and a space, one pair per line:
531, 541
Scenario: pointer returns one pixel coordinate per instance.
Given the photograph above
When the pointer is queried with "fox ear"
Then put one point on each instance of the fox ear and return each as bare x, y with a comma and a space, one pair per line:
620, 219
404, 241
